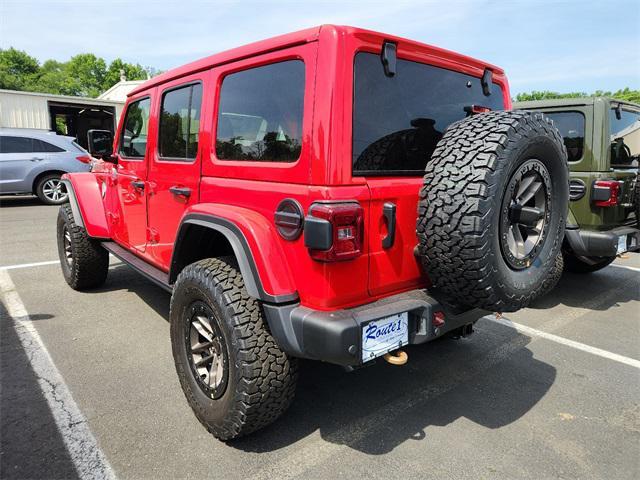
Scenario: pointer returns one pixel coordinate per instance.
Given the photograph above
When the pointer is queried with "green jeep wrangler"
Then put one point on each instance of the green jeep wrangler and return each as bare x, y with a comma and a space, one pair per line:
602, 136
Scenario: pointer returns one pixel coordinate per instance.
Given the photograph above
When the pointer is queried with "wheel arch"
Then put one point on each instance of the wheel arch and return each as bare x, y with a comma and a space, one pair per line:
204, 235
39, 175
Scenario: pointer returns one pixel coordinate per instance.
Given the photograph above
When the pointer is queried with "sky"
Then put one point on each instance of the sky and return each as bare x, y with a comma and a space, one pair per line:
543, 45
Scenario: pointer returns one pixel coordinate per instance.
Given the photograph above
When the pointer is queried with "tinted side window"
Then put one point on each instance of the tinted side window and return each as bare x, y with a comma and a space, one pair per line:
133, 139
16, 144
180, 122
397, 121
42, 146
260, 113
625, 138
571, 128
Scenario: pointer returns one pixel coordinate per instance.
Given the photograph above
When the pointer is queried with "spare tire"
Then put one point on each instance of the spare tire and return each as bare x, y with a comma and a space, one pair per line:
493, 208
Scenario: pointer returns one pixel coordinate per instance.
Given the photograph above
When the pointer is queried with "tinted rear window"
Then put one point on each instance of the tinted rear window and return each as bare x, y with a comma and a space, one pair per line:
571, 128
397, 121
180, 122
625, 138
42, 146
260, 113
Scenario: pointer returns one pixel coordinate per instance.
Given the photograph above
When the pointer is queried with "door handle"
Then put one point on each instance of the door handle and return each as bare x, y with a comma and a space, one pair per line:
138, 184
36, 159
389, 213
180, 191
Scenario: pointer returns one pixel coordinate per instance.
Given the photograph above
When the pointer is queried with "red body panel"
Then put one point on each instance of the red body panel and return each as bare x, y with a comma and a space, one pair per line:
247, 193
88, 188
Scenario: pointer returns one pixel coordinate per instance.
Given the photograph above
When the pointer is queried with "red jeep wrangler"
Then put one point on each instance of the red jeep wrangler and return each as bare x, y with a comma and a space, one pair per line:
330, 194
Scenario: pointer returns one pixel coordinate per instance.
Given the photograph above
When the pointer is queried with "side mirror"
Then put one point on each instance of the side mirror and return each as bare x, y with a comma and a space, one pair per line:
100, 143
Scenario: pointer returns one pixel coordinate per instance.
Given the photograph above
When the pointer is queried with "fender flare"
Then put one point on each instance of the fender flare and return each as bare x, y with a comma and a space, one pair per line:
85, 199
241, 249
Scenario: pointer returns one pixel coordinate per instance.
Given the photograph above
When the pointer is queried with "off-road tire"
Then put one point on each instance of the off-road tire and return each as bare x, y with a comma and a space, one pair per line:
261, 378
554, 277
461, 203
575, 264
40, 193
89, 261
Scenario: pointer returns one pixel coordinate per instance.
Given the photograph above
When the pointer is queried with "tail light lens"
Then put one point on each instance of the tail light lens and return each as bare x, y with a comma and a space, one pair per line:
334, 231
605, 193
84, 158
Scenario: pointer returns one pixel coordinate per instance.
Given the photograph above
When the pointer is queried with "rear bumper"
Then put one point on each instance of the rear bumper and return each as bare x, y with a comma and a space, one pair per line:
336, 336
601, 244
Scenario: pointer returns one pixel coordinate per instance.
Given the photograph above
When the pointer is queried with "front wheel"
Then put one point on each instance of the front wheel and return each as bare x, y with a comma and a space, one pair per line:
84, 262
576, 264
232, 372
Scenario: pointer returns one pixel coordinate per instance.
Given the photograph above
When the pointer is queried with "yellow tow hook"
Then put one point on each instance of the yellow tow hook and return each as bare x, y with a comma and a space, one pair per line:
399, 357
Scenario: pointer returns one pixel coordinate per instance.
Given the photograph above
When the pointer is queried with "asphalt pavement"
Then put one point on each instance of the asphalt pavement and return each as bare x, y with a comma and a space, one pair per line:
556, 394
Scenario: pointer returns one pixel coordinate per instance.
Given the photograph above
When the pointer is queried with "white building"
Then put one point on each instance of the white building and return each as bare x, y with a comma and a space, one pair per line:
64, 114
118, 93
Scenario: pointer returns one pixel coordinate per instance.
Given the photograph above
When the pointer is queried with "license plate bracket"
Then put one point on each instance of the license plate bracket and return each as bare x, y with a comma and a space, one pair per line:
384, 335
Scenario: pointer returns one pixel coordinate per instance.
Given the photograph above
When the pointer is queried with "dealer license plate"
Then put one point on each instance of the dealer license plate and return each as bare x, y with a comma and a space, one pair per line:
383, 335
622, 244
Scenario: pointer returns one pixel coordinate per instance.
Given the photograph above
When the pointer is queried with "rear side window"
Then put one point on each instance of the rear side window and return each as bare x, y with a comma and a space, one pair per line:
260, 113
133, 139
42, 146
397, 121
571, 128
180, 122
624, 130
16, 144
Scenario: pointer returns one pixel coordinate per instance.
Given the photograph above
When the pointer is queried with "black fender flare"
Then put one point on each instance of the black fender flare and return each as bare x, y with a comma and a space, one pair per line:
240, 248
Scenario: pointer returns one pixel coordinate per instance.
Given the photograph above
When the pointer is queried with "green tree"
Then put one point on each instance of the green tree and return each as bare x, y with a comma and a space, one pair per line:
86, 73
623, 94
131, 71
17, 69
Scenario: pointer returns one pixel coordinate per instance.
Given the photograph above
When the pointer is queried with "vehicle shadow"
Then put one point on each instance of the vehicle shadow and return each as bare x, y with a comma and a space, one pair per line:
490, 378
20, 201
600, 290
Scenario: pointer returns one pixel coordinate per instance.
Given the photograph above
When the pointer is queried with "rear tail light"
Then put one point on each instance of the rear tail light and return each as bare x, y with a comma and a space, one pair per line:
84, 158
334, 231
605, 193
438, 319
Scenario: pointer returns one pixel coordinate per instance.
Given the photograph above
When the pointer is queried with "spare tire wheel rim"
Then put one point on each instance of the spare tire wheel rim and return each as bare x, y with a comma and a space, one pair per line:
206, 350
525, 214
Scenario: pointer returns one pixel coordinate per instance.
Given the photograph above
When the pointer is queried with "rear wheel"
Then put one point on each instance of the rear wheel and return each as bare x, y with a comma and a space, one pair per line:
232, 372
576, 264
492, 209
51, 190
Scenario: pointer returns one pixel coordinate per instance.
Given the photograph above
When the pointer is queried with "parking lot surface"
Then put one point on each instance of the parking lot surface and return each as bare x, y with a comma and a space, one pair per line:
558, 397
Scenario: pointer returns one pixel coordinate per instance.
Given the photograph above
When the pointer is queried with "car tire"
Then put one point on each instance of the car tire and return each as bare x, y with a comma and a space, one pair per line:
576, 264
252, 381
84, 263
51, 190
494, 179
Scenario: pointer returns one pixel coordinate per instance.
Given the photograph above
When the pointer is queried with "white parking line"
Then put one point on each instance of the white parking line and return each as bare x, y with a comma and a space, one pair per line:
88, 459
635, 269
29, 265
565, 341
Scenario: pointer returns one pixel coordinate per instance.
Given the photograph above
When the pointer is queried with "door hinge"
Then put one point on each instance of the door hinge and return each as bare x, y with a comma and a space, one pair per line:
112, 218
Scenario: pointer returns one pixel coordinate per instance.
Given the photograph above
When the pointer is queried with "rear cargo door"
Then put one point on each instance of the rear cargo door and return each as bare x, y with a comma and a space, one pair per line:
392, 234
